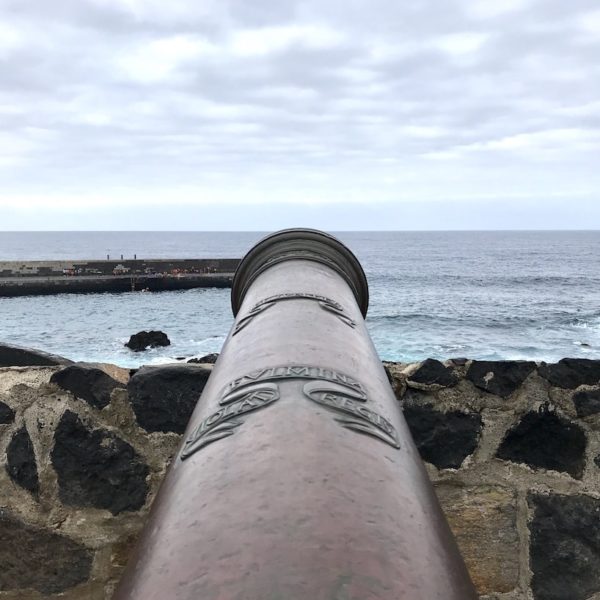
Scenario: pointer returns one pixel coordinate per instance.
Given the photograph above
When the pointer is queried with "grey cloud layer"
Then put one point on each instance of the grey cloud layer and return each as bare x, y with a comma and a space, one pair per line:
125, 101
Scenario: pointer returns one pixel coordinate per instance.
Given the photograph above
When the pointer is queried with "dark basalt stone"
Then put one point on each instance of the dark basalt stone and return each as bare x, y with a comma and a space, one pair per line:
565, 547
433, 371
20, 462
499, 377
459, 362
88, 383
597, 460
147, 339
16, 356
35, 558
7, 414
547, 440
587, 402
570, 373
96, 468
163, 398
208, 359
443, 439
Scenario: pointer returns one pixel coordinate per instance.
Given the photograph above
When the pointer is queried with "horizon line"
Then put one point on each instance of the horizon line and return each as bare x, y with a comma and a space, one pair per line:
542, 230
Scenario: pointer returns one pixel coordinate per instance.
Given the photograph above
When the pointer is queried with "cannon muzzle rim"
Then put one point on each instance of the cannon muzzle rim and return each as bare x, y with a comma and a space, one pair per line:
300, 244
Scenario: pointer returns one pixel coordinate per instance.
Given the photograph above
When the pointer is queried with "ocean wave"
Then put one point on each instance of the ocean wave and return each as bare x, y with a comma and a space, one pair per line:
208, 341
455, 320
586, 323
477, 280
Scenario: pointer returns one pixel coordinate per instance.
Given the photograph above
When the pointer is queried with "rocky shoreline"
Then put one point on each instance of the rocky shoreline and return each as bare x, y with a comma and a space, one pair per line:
513, 449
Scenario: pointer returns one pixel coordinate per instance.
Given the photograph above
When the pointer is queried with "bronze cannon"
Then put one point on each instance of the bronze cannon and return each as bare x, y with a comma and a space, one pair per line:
297, 477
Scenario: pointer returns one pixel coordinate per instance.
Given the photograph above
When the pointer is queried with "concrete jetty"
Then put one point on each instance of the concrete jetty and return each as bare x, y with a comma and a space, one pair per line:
25, 278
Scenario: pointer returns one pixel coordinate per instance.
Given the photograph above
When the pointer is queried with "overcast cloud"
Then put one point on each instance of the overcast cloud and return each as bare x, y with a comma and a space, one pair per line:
132, 114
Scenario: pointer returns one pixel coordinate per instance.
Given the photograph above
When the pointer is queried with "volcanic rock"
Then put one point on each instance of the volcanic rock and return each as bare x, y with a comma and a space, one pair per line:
547, 440
87, 383
570, 373
20, 462
16, 356
163, 398
96, 468
443, 439
147, 339
459, 362
587, 402
433, 372
7, 414
208, 359
565, 546
499, 377
36, 558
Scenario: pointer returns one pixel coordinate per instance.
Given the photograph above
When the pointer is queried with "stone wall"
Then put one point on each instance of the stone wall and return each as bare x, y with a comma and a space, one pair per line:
514, 453
512, 448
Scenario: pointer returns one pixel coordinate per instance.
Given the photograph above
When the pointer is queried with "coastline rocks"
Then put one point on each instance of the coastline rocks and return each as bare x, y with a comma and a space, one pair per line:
208, 359
16, 356
546, 440
96, 468
36, 558
163, 398
499, 377
459, 361
147, 339
90, 384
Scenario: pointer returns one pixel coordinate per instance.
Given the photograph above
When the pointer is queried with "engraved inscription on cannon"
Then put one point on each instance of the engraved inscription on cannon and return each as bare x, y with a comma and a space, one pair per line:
355, 415
333, 390
223, 422
294, 372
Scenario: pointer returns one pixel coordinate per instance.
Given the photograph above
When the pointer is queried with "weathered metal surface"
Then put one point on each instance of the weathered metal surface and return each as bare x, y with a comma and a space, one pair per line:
297, 477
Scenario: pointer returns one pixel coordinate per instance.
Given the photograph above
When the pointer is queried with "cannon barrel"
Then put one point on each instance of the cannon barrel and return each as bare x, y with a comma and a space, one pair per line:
297, 478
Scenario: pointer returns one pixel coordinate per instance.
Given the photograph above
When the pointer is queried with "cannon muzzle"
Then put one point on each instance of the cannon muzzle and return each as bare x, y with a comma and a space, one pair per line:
297, 478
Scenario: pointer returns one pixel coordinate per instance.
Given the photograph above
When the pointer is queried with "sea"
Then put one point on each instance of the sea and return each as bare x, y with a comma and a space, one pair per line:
484, 295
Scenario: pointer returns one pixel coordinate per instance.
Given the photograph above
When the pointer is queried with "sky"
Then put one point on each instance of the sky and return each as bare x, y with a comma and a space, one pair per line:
256, 115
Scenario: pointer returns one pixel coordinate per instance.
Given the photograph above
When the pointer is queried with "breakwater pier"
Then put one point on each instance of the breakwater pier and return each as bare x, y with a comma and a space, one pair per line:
25, 278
